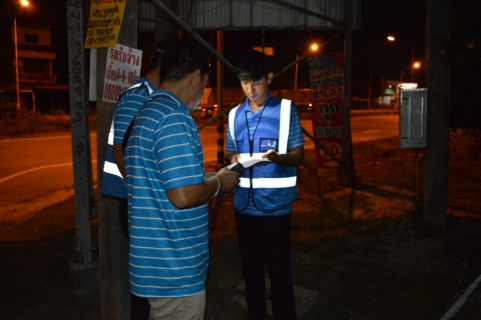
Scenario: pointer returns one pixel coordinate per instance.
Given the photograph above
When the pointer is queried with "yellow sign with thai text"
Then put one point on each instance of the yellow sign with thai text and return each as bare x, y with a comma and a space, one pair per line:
104, 23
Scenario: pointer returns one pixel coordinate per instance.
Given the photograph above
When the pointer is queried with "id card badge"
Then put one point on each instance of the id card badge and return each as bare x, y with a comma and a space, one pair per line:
267, 144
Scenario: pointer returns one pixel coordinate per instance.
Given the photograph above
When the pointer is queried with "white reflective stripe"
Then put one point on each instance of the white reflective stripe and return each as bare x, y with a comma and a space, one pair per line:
269, 182
149, 88
112, 168
232, 114
245, 183
141, 83
111, 134
284, 125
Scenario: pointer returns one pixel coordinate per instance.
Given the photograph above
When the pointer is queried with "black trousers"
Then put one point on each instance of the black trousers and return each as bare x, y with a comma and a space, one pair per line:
139, 307
266, 242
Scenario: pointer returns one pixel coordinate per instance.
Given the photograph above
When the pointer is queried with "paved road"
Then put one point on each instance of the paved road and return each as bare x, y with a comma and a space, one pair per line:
36, 172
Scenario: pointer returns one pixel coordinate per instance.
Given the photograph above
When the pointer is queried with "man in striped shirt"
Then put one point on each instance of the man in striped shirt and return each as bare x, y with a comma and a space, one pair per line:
265, 127
113, 179
168, 191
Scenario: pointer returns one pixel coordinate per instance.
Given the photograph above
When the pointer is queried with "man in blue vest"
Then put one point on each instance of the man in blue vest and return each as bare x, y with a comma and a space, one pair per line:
113, 181
168, 191
268, 128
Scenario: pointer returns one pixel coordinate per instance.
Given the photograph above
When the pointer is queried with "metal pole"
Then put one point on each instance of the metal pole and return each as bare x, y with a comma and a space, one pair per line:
16, 64
220, 99
192, 32
412, 62
297, 67
370, 81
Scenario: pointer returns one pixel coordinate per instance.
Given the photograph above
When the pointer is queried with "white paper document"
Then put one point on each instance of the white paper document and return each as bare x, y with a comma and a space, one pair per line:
250, 161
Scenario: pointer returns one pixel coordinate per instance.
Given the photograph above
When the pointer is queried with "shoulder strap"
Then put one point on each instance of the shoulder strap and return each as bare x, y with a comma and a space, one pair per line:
284, 125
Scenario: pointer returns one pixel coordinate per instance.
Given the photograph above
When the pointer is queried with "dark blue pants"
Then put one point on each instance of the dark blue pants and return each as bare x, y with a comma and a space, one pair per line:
266, 242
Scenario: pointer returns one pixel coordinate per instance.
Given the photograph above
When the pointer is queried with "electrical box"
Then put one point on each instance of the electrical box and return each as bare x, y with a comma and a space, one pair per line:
412, 121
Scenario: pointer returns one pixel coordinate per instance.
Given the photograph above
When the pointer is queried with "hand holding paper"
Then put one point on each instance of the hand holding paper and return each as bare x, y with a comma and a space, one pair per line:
250, 161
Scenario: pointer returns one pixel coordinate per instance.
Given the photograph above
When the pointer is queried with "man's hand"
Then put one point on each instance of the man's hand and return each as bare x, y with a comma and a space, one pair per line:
271, 155
231, 157
293, 158
228, 180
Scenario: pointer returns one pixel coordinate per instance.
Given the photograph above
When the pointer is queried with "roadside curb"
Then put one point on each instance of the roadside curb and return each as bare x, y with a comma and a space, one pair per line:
354, 113
375, 112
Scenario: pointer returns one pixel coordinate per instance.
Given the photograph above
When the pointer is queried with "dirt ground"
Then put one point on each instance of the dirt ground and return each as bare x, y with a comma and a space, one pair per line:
365, 250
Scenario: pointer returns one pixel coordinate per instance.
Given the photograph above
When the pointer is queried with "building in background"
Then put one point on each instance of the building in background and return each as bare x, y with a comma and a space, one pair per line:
38, 85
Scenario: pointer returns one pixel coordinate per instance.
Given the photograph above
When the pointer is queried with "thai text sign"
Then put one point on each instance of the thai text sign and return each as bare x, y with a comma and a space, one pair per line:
121, 72
104, 23
326, 75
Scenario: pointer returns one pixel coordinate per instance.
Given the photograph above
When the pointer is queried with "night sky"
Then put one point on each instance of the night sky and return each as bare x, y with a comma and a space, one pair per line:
379, 18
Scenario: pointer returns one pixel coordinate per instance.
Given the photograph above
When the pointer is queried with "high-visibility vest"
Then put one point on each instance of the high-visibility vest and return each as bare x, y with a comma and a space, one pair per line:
272, 186
113, 184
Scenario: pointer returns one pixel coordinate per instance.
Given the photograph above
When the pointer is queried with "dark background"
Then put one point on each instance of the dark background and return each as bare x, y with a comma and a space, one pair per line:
371, 51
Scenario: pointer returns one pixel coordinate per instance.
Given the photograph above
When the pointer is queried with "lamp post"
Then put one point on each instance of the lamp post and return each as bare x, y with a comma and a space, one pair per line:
24, 3
393, 38
313, 48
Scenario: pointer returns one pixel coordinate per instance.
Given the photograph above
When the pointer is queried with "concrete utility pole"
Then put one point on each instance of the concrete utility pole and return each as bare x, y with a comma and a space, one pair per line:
83, 268
438, 104
113, 246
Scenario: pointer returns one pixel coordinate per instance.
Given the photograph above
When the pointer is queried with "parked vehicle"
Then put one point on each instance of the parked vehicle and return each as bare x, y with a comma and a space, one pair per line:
208, 111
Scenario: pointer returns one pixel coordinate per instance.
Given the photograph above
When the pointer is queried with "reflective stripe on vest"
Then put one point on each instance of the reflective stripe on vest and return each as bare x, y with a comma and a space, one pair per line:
113, 183
231, 125
268, 182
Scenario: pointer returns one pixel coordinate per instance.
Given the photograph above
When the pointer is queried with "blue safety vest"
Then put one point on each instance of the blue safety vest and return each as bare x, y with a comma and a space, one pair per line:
272, 186
113, 184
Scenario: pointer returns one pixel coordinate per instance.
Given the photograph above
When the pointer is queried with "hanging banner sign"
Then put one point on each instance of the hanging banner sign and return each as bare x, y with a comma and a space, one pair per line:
104, 23
326, 76
121, 72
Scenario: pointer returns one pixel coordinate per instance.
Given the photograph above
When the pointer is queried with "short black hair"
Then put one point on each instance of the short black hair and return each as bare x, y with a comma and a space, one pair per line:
253, 66
159, 49
182, 59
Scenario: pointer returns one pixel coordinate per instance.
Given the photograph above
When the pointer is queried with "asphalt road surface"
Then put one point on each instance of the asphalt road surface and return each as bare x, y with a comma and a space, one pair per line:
36, 172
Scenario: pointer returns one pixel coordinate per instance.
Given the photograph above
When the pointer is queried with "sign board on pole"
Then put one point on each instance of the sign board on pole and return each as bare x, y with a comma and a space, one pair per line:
104, 23
326, 74
121, 72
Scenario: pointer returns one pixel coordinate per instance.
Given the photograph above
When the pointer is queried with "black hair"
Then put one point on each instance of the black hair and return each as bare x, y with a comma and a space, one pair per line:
182, 59
159, 49
253, 66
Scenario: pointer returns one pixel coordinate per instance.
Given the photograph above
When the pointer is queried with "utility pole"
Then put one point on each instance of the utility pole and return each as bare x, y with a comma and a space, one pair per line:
113, 246
83, 268
438, 105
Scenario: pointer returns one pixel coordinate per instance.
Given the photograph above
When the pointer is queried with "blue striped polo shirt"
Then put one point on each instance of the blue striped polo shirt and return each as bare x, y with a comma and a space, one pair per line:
169, 254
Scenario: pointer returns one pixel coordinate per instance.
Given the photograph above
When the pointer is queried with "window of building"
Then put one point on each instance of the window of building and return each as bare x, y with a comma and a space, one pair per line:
31, 38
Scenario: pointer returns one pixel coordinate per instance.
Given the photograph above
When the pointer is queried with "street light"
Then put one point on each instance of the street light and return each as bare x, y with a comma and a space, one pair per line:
393, 38
24, 3
313, 48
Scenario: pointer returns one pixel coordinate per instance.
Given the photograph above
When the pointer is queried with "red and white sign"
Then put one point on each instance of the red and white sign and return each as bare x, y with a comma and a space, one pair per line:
122, 71
326, 75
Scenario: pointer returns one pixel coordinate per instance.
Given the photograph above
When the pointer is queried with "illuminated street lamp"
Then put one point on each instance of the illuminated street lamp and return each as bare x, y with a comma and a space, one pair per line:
393, 38
24, 3
314, 47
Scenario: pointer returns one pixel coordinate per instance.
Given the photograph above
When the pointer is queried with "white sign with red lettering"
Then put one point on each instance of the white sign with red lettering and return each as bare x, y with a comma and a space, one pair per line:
121, 72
